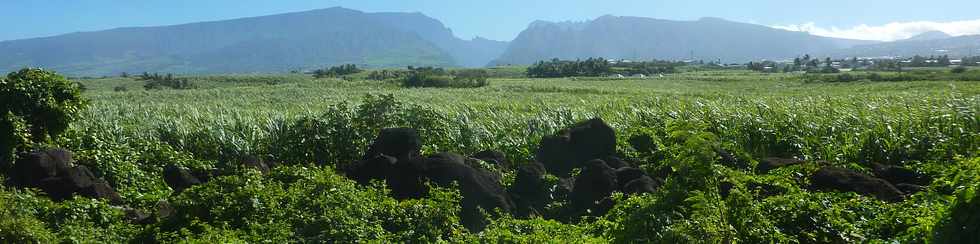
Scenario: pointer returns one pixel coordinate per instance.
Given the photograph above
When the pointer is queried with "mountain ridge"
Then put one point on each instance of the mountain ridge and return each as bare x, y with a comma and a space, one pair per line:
271, 43
650, 38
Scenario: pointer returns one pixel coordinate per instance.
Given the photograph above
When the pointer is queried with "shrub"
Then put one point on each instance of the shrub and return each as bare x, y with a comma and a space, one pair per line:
845, 77
156, 81
560, 68
437, 77
308, 205
342, 70
536, 230
470, 78
35, 105
14, 136
381, 75
426, 77
959, 70
829, 70
961, 222
120, 89
17, 223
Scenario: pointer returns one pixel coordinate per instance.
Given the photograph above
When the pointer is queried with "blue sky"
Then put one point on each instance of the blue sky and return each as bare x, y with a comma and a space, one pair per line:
504, 19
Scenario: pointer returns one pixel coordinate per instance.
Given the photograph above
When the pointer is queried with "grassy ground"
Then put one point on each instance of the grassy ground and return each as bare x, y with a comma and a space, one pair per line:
128, 134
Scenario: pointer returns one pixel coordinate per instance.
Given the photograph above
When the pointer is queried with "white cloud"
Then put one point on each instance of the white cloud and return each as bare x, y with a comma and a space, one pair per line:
891, 31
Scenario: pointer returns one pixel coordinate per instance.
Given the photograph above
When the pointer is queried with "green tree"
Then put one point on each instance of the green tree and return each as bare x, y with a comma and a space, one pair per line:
35, 105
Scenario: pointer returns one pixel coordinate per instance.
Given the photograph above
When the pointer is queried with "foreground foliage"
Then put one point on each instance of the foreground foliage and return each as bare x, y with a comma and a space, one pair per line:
128, 137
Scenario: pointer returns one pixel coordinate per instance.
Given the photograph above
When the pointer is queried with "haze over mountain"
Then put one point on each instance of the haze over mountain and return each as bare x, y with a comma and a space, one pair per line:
928, 36
275, 43
953, 46
647, 38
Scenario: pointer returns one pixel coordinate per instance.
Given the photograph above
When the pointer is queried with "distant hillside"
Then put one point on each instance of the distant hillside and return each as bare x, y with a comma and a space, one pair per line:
275, 43
929, 36
646, 38
954, 47
470, 53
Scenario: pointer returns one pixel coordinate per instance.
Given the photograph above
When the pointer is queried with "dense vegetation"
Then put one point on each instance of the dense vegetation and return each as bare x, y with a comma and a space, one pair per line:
156, 81
439, 77
38, 105
563, 68
336, 71
594, 67
312, 128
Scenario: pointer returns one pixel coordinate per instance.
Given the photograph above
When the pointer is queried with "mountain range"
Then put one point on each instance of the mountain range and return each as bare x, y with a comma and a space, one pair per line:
647, 38
926, 44
275, 43
327, 37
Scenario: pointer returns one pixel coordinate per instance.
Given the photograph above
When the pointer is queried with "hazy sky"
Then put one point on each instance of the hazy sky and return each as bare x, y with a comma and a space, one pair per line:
504, 19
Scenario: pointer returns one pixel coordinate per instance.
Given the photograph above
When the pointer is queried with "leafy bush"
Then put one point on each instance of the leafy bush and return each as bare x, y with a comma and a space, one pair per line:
560, 68
650, 67
18, 223
35, 106
470, 78
156, 81
29, 218
438, 77
961, 222
536, 230
45, 100
382, 75
309, 205
14, 137
958, 70
342, 70
846, 77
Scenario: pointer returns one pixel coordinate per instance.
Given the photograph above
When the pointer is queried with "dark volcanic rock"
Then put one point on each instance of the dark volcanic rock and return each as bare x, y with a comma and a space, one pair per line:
31, 168
402, 143
101, 190
730, 160
81, 181
256, 163
530, 191
591, 140
625, 175
898, 175
554, 154
596, 182
563, 190
495, 157
643, 143
766, 190
137, 216
377, 167
571, 148
67, 183
768, 164
909, 189
478, 188
725, 188
642, 185
179, 178
831, 178
615, 162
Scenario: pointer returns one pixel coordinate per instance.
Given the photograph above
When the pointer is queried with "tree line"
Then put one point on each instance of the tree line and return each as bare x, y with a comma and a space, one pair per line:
598, 67
566, 68
157, 81
335, 71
